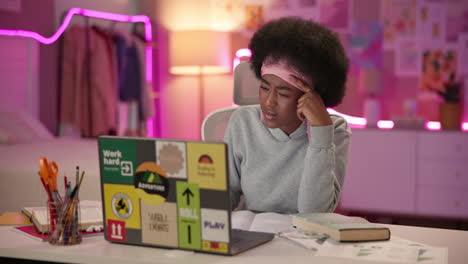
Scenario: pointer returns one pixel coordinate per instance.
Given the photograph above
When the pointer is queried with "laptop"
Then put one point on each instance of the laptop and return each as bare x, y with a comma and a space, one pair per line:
170, 194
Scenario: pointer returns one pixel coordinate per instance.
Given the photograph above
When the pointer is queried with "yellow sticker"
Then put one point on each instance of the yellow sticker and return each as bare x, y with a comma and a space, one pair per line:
122, 203
214, 246
207, 165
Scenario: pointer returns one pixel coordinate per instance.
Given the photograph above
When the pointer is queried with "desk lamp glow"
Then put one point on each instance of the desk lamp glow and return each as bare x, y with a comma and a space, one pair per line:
356, 122
96, 14
199, 53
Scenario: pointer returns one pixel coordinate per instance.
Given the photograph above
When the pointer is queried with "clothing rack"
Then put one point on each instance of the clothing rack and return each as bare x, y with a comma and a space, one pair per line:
114, 17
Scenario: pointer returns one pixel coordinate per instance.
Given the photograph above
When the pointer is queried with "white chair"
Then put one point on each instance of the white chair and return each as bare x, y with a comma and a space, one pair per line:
246, 87
245, 93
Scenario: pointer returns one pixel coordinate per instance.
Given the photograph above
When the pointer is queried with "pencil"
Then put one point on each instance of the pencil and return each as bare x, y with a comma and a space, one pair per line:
77, 175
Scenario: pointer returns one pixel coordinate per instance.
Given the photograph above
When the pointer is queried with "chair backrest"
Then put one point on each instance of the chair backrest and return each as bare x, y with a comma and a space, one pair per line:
245, 85
245, 93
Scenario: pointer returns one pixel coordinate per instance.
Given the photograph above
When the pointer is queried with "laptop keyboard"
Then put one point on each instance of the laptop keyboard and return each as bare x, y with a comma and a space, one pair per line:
235, 237
243, 236
242, 240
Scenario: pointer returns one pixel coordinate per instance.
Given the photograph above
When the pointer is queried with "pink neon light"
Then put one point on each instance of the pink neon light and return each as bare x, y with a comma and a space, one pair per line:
96, 14
243, 53
433, 125
239, 54
358, 121
465, 126
385, 124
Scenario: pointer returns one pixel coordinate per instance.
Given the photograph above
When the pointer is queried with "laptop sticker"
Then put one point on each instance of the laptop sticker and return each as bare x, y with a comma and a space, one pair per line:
188, 208
116, 230
215, 225
214, 246
122, 206
159, 224
122, 203
207, 165
151, 183
118, 160
215, 230
171, 156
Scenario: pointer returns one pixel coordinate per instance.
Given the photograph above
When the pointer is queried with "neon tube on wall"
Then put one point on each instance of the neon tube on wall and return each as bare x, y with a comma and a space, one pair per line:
359, 122
96, 14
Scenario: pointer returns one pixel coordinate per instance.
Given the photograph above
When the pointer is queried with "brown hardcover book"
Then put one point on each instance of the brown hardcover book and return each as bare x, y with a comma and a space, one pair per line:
341, 228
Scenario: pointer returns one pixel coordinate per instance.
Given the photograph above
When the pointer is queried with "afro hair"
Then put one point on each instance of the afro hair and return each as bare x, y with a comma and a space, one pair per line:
311, 48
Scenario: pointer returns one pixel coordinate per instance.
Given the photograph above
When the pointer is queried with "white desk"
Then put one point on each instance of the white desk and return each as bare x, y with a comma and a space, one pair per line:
97, 250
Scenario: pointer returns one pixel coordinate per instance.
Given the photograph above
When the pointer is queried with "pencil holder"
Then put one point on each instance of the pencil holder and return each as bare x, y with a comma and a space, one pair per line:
64, 222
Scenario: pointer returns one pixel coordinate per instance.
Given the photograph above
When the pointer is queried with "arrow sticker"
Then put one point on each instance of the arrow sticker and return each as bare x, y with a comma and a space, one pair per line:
116, 230
188, 213
189, 232
126, 168
187, 193
117, 159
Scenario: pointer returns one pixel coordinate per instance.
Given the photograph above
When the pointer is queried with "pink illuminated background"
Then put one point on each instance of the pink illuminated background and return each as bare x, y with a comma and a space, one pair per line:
355, 122
96, 14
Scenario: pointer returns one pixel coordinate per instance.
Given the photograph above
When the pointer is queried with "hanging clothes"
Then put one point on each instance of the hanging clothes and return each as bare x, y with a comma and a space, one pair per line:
89, 91
146, 94
73, 78
129, 69
135, 93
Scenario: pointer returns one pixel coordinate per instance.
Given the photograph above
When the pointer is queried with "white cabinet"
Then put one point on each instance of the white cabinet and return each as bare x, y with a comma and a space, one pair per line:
442, 174
407, 172
380, 173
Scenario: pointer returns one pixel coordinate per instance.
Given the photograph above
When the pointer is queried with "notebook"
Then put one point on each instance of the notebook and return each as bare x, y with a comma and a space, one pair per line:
170, 194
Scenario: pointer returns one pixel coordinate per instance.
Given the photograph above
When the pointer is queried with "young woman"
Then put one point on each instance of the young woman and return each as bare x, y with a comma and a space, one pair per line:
289, 155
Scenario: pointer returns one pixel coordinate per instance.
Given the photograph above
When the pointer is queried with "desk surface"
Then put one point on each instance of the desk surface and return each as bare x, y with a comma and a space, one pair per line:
97, 250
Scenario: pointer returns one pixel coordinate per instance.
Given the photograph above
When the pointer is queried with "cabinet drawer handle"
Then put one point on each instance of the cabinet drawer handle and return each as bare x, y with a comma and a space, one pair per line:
457, 204
458, 147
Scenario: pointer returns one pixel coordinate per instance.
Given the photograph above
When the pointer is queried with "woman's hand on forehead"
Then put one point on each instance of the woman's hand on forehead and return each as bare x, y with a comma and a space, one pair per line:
310, 105
300, 84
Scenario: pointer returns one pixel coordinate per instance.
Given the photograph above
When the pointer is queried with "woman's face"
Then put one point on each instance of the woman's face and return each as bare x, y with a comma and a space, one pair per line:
278, 101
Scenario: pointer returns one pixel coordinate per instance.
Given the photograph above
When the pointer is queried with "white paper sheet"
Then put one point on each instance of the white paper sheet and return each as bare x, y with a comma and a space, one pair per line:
396, 250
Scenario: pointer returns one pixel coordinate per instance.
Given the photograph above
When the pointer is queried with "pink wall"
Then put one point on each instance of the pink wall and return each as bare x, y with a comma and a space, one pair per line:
177, 106
178, 97
38, 16
396, 89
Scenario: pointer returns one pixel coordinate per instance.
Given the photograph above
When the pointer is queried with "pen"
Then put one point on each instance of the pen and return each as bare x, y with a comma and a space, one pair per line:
69, 189
77, 175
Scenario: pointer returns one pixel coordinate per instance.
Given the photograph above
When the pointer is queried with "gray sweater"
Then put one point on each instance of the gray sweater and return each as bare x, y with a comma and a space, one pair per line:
285, 174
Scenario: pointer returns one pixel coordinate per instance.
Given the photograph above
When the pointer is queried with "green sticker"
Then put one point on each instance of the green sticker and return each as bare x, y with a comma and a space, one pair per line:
188, 206
118, 160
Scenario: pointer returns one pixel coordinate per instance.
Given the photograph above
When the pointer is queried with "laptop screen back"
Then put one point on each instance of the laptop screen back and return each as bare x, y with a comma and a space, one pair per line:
165, 193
